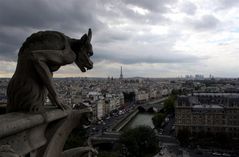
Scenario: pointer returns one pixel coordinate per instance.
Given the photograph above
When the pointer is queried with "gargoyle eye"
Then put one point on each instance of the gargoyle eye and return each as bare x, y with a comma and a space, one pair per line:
90, 53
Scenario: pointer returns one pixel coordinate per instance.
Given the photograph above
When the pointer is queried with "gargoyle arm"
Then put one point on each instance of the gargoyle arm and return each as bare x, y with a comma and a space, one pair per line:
41, 60
55, 57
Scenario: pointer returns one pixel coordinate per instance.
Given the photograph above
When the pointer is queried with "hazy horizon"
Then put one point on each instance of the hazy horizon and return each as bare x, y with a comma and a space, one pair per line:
135, 77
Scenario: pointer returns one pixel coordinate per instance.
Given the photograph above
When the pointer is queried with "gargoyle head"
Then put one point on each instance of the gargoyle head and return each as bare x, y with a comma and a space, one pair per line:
83, 50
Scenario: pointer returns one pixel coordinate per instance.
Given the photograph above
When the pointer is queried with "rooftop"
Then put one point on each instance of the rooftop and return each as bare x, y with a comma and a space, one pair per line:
206, 106
216, 94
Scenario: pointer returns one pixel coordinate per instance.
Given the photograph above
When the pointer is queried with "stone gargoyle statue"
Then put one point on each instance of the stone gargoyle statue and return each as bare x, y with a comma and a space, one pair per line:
42, 54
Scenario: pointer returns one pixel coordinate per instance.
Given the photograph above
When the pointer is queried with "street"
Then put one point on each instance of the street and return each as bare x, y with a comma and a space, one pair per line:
106, 123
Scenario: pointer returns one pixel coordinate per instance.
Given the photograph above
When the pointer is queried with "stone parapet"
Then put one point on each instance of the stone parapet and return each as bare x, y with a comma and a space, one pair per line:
41, 134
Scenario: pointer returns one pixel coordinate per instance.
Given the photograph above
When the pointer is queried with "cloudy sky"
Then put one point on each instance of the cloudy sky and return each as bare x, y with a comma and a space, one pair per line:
159, 38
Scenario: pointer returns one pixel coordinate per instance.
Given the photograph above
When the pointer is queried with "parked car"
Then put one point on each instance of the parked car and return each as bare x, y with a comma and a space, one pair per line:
216, 154
173, 127
226, 154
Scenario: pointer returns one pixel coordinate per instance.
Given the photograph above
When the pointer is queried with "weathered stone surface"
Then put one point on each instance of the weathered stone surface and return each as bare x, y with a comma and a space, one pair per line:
7, 151
16, 122
57, 140
25, 132
42, 134
80, 151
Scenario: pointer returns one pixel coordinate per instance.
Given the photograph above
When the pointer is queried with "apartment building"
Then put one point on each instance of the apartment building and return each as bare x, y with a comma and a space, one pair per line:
208, 112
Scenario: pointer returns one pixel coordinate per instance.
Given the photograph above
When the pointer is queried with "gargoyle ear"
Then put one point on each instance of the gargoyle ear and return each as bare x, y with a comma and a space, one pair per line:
84, 38
89, 34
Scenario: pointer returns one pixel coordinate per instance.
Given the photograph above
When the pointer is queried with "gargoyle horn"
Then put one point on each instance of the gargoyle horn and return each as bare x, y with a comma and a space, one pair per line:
89, 35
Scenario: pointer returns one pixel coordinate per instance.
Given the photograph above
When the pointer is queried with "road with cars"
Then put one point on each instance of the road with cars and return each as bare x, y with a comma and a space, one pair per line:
107, 122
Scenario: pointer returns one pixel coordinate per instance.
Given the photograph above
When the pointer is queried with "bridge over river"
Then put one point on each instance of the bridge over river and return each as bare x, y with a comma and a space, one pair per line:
114, 132
155, 105
112, 137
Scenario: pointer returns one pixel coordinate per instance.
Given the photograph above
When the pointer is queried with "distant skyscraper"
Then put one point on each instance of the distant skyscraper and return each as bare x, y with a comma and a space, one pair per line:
121, 73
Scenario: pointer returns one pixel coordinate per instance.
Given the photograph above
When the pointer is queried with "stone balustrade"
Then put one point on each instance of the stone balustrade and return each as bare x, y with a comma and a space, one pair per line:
41, 134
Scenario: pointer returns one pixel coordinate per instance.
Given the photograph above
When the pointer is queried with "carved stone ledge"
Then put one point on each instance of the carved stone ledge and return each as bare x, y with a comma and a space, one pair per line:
16, 122
40, 134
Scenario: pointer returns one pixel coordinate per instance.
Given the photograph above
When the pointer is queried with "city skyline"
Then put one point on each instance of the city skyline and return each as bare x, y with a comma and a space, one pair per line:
148, 39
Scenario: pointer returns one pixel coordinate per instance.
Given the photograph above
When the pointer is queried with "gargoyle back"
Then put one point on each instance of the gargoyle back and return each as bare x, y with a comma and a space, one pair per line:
44, 40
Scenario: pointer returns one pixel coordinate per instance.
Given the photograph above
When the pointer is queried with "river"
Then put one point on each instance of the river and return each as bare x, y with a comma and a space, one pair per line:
140, 119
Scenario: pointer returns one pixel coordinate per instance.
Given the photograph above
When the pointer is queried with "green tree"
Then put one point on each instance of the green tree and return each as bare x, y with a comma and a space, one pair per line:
183, 136
176, 92
140, 142
169, 104
107, 154
221, 138
158, 120
77, 138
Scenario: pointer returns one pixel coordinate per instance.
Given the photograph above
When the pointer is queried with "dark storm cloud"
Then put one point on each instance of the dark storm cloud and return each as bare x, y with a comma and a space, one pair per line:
46, 14
7, 52
73, 17
128, 58
18, 19
10, 40
107, 37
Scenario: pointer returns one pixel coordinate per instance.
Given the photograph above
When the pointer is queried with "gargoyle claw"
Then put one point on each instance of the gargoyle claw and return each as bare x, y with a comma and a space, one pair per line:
64, 107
